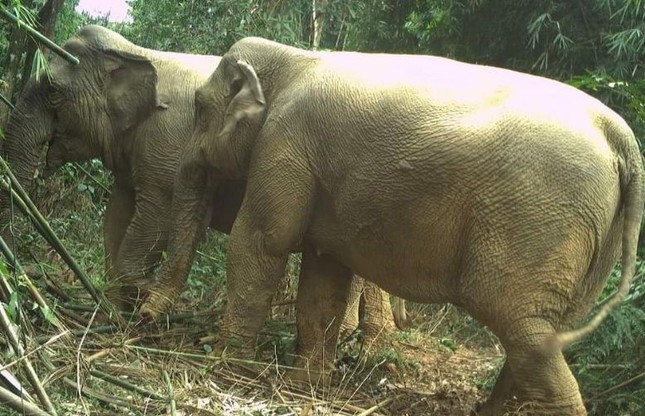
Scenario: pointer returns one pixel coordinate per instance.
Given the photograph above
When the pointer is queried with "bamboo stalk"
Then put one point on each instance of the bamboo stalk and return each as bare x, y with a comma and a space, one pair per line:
213, 358
31, 373
39, 37
51, 237
4, 284
55, 242
22, 206
378, 406
124, 384
7, 102
618, 386
171, 394
92, 178
19, 404
106, 329
92, 394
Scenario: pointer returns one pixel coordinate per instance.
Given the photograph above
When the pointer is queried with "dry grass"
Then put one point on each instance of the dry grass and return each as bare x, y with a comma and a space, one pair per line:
92, 368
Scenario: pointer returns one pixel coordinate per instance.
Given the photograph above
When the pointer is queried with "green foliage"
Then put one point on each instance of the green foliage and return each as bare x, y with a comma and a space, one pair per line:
614, 355
210, 27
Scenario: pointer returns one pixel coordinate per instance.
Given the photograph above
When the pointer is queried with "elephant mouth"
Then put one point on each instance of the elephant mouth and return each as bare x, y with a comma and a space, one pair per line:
53, 158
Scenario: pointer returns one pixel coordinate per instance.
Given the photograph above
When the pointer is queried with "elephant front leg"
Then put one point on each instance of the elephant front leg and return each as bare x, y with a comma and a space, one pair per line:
118, 214
269, 225
322, 300
140, 250
253, 278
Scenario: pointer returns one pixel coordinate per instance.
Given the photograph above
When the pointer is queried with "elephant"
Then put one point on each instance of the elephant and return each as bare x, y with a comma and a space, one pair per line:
132, 108
507, 194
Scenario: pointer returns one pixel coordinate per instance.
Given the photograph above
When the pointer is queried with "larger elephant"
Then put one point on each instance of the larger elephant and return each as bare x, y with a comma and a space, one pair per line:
505, 193
133, 109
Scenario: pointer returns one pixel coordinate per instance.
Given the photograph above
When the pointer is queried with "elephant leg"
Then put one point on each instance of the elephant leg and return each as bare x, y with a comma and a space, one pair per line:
378, 320
503, 391
269, 225
538, 376
140, 251
401, 319
118, 214
323, 292
352, 315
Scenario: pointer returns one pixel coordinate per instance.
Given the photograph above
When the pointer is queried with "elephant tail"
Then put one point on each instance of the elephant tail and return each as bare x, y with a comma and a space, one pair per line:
632, 191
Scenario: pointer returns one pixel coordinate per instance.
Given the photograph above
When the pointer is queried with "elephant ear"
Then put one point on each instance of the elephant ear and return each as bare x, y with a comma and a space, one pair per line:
248, 102
131, 88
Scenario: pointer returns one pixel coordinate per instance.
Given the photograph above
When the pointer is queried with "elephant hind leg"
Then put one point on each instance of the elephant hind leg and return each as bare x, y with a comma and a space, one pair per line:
323, 292
352, 315
503, 392
373, 303
379, 319
538, 376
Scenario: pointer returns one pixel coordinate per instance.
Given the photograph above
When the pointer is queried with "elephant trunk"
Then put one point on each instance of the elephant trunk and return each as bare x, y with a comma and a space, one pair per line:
29, 128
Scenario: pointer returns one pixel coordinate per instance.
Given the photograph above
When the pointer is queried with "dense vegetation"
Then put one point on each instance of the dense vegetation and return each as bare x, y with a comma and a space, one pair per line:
595, 45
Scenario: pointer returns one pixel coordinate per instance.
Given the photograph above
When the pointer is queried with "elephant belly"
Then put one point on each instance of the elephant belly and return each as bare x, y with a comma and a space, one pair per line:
410, 252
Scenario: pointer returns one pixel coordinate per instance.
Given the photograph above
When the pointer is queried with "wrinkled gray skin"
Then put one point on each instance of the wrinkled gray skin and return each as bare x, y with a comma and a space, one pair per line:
133, 108
505, 193
130, 107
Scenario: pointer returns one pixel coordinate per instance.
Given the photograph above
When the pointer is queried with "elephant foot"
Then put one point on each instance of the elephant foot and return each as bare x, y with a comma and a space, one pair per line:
514, 407
230, 347
490, 408
157, 303
124, 297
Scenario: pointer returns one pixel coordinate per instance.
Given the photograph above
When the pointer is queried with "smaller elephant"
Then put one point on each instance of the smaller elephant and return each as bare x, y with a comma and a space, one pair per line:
504, 193
132, 108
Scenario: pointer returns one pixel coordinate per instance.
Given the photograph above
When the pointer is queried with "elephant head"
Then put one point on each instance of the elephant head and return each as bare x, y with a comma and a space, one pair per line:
81, 111
232, 106
230, 111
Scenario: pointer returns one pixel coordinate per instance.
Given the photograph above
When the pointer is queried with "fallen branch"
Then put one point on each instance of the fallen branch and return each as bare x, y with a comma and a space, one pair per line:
20, 352
618, 386
125, 385
19, 404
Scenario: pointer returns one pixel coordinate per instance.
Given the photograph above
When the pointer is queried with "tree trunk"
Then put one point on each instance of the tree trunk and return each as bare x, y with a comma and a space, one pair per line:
21, 46
318, 15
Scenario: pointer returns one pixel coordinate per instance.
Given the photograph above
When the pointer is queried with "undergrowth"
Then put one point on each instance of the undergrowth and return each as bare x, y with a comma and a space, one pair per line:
610, 364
